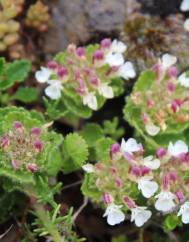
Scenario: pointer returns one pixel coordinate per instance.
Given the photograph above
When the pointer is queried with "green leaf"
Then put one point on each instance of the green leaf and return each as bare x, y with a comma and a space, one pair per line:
18, 71
92, 133
103, 148
75, 152
26, 94
171, 222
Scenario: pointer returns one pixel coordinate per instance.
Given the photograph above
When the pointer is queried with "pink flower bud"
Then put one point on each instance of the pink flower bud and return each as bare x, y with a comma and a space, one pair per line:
130, 203
82, 89
80, 51
106, 43
32, 167
175, 105
150, 103
53, 65
172, 72
118, 182
173, 176
158, 69
145, 118
16, 164
145, 170
38, 145
18, 125
95, 81
114, 150
62, 72
99, 166
171, 87
165, 182
136, 170
107, 198
36, 131
161, 152
113, 170
180, 196
5, 141
98, 55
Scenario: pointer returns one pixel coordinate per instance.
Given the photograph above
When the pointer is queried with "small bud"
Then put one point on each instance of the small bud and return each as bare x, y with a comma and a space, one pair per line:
145, 170
95, 81
130, 203
18, 125
62, 72
38, 145
118, 182
107, 198
114, 150
165, 182
98, 55
113, 170
135, 170
16, 164
161, 152
53, 65
180, 196
80, 51
171, 86
36, 131
172, 72
106, 43
5, 141
173, 176
32, 167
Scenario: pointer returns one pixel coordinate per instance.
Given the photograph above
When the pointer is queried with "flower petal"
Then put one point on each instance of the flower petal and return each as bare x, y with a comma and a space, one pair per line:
118, 46
114, 59
184, 5
43, 75
184, 79
90, 100
127, 71
168, 60
54, 91
106, 91
89, 168
152, 129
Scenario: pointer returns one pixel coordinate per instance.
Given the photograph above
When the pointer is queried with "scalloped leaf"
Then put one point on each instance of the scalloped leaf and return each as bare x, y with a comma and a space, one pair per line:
75, 152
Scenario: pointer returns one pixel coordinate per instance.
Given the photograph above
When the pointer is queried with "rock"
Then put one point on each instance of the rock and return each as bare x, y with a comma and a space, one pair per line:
80, 21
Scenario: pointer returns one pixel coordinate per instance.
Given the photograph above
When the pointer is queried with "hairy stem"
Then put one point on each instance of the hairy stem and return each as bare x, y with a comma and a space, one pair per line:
45, 220
141, 235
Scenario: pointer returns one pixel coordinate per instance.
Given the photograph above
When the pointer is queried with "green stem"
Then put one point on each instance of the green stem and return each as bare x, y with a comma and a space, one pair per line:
43, 216
141, 235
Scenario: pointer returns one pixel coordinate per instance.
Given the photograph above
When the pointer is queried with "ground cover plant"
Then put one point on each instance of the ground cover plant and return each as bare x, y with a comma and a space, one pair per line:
94, 139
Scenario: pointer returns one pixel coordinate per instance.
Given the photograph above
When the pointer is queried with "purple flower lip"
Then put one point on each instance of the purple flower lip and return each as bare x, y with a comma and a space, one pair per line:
161, 152
98, 55
5, 141
32, 167
62, 72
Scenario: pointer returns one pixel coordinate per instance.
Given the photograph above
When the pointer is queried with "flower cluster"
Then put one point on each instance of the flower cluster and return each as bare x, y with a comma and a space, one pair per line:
161, 179
88, 71
164, 104
21, 147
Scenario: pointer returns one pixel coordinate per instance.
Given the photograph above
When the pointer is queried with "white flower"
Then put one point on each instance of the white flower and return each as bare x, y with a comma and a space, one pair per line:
90, 100
43, 75
150, 163
184, 5
184, 79
140, 215
114, 214
178, 148
147, 187
184, 212
168, 60
152, 129
165, 201
105, 90
118, 46
127, 70
89, 168
54, 89
130, 146
114, 59
186, 24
